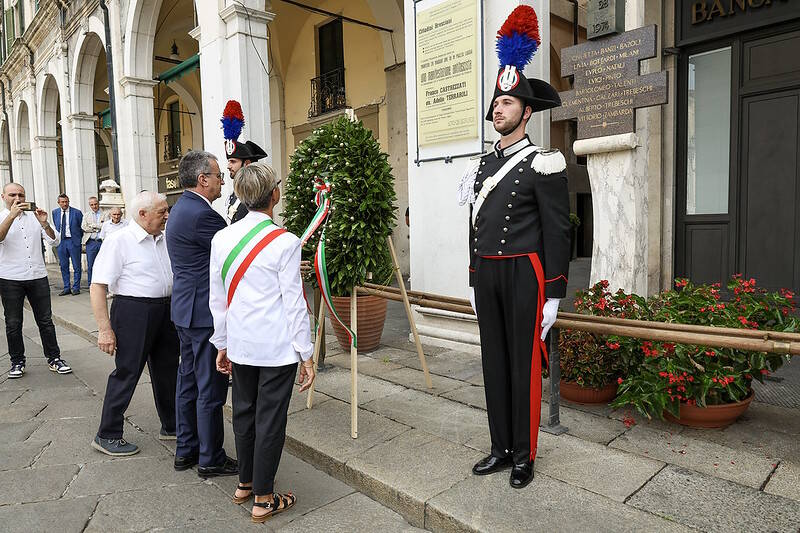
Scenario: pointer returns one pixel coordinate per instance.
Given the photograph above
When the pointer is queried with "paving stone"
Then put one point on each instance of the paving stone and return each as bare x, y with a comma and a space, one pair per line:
41, 378
312, 487
415, 379
72, 437
593, 466
298, 400
763, 416
481, 442
438, 416
708, 503
410, 469
766, 443
703, 456
588, 426
337, 384
785, 481
20, 412
545, 505
392, 354
452, 364
78, 392
321, 435
35, 484
7, 397
470, 395
17, 431
348, 515
143, 510
64, 515
219, 526
476, 380
368, 365
20, 454
83, 408
138, 473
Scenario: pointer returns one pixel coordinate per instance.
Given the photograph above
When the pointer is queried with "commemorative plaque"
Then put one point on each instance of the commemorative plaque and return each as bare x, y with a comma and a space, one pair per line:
607, 85
604, 17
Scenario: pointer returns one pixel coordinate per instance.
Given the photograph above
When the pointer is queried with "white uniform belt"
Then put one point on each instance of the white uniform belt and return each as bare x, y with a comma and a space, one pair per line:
490, 183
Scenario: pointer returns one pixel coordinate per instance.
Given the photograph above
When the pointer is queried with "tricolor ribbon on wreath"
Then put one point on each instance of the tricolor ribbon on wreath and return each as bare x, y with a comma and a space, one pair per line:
323, 201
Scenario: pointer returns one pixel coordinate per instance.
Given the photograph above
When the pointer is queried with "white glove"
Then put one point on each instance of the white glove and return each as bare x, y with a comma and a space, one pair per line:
472, 299
549, 314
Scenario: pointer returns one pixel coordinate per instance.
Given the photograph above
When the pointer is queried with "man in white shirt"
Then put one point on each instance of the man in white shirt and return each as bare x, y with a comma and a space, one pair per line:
91, 226
24, 275
113, 224
133, 263
261, 332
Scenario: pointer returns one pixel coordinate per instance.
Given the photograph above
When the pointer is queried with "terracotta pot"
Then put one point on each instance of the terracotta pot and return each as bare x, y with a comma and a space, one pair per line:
579, 394
371, 317
711, 416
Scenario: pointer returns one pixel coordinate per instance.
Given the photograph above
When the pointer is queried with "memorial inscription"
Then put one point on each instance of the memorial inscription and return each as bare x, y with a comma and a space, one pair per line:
607, 85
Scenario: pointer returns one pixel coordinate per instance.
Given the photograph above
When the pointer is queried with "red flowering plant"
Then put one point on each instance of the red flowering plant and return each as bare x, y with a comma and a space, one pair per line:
671, 374
595, 361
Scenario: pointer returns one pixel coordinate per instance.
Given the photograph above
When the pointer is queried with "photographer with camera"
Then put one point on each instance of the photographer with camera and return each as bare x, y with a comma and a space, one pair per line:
22, 228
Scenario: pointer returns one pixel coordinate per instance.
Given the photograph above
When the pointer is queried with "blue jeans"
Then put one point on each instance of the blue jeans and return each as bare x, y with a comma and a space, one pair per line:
68, 251
92, 249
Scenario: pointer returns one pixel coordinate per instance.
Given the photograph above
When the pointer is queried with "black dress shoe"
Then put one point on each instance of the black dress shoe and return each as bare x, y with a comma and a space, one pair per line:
184, 463
490, 464
228, 468
65, 292
521, 475
76, 292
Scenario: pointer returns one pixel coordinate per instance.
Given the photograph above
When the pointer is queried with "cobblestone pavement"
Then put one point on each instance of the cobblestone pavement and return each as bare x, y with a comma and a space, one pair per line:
52, 480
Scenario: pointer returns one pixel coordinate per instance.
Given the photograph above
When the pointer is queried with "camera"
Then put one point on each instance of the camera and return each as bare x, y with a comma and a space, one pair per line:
28, 206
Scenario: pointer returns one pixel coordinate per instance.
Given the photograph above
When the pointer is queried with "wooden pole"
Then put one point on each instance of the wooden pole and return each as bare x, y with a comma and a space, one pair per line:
402, 285
353, 365
424, 302
437, 297
318, 343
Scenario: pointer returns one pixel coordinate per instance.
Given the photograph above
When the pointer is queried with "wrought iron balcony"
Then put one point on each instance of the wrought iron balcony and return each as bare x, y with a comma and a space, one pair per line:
327, 93
172, 146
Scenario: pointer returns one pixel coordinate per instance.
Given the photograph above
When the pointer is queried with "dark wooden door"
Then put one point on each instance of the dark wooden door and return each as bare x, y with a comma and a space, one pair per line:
769, 195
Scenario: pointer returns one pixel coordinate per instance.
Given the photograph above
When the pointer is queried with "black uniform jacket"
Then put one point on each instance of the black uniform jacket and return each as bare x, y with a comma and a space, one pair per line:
527, 212
241, 211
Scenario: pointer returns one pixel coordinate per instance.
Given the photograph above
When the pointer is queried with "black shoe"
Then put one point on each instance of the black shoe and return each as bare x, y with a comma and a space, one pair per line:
163, 434
228, 468
490, 464
184, 463
65, 292
521, 475
76, 292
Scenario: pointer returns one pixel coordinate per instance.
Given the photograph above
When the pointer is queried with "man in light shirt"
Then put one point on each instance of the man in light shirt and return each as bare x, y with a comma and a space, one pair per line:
91, 226
261, 332
133, 263
24, 275
114, 223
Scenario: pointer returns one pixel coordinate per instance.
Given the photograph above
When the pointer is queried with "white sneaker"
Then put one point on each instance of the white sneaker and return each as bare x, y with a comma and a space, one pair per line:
16, 371
60, 366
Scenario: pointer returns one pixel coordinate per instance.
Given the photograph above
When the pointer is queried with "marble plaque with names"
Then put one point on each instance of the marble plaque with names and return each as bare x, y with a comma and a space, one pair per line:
607, 85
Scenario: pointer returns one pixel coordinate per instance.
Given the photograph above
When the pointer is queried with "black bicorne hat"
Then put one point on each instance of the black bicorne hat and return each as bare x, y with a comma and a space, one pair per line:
246, 151
517, 42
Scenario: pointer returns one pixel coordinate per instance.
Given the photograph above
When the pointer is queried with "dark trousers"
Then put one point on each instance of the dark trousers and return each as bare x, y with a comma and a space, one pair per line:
92, 249
13, 294
145, 334
260, 402
508, 308
200, 396
67, 251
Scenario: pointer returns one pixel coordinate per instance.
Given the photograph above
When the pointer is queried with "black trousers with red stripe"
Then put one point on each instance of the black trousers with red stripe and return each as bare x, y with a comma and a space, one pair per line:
508, 306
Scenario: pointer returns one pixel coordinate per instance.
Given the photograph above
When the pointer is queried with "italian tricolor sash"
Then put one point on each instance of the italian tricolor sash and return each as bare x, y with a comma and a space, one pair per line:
237, 250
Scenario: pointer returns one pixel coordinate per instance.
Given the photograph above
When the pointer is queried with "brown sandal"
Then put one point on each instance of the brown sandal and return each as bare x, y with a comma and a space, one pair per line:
279, 504
241, 500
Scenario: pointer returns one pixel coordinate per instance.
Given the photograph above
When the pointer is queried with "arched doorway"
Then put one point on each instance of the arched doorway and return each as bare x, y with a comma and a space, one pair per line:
24, 164
5, 157
50, 140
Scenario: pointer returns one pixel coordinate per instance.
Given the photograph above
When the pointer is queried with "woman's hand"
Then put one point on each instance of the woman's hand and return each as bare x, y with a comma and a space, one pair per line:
223, 363
307, 375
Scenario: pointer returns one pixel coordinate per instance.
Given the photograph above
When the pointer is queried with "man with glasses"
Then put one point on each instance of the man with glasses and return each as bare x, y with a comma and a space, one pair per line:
201, 390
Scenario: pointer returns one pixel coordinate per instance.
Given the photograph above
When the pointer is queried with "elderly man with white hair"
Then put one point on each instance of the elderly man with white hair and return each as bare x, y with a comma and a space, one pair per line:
114, 223
133, 263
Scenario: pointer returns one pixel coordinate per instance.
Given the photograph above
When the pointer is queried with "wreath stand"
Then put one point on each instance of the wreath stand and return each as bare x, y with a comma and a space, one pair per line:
354, 327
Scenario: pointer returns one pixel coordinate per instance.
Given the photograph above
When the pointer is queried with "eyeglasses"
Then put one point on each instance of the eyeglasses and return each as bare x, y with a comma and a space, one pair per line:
217, 174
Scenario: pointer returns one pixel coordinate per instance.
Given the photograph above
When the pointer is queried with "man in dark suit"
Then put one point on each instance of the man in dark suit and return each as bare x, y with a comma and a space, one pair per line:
68, 224
201, 389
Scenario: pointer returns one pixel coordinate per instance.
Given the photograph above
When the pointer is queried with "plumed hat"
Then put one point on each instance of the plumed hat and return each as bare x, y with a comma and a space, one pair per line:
232, 124
517, 42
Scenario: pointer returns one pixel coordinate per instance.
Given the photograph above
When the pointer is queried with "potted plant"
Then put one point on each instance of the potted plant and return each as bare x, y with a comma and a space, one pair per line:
701, 386
591, 364
344, 156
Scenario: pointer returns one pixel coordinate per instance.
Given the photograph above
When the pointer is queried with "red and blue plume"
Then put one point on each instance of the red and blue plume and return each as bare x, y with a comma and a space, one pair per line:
232, 120
518, 38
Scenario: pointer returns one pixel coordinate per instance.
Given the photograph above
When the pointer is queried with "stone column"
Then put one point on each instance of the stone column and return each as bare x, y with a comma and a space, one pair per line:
136, 138
618, 168
79, 155
231, 69
45, 170
24, 173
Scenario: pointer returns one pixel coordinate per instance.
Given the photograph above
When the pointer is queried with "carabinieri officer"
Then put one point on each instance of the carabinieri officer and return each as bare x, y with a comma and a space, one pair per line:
519, 243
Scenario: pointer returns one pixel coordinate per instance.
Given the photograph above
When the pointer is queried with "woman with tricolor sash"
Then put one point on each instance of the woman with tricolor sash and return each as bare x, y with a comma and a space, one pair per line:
262, 332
